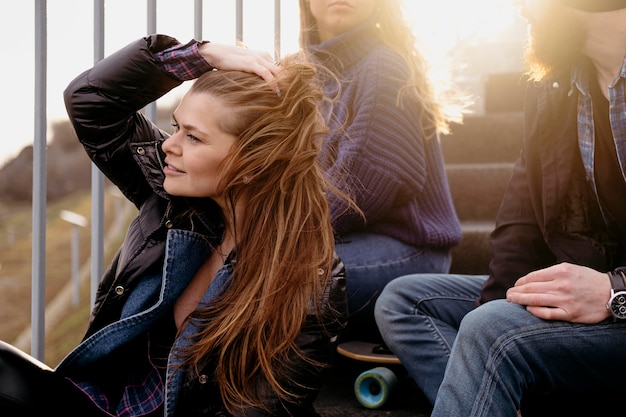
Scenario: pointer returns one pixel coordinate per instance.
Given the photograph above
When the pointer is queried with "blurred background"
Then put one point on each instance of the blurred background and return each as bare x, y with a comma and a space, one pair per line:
474, 43
476, 46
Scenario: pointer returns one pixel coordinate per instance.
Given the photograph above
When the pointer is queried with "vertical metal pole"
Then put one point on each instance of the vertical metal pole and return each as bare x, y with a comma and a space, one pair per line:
239, 21
38, 294
152, 11
75, 265
97, 179
76, 221
197, 20
151, 110
277, 30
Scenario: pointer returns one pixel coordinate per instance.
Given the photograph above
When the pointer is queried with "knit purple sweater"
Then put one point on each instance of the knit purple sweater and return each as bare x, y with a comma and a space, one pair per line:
376, 150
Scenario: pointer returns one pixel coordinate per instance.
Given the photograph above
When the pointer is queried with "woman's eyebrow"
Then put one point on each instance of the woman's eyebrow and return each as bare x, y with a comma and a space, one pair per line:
189, 127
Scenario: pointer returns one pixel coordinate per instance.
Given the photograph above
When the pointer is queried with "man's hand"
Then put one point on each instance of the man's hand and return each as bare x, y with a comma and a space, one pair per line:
564, 292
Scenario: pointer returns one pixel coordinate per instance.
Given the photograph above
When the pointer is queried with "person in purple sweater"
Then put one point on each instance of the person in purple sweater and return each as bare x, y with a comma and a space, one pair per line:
383, 149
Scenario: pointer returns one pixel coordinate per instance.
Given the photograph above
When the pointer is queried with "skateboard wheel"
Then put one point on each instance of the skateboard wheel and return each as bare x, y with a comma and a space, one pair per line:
372, 387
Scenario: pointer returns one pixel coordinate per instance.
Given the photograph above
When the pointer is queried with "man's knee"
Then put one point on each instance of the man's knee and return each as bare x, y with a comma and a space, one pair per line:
491, 320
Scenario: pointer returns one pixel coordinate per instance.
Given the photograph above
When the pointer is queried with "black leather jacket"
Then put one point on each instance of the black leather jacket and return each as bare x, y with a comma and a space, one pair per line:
549, 213
103, 104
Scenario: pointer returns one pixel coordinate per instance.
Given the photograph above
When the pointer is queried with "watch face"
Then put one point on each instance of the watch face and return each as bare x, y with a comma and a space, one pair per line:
618, 305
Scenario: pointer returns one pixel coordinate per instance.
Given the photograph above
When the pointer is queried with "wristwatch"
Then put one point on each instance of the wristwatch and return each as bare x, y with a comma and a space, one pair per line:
617, 302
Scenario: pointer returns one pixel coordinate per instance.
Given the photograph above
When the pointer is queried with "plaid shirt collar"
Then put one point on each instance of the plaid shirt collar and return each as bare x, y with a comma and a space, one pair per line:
580, 80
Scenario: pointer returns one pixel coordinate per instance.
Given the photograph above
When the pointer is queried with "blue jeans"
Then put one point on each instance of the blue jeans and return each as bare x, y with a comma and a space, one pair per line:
500, 352
372, 261
419, 316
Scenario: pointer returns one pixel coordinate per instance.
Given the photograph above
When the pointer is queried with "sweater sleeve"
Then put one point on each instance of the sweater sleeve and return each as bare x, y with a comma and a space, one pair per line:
380, 155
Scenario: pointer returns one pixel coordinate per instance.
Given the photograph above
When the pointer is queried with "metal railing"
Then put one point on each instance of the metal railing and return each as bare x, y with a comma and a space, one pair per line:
38, 304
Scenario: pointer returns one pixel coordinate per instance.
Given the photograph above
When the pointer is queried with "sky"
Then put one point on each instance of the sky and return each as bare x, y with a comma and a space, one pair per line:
440, 25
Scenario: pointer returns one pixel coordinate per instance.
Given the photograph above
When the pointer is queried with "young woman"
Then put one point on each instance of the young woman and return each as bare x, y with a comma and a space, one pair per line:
226, 294
382, 149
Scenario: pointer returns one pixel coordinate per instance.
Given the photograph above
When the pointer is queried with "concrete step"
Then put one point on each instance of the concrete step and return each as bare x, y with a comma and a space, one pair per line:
479, 156
477, 189
473, 254
487, 138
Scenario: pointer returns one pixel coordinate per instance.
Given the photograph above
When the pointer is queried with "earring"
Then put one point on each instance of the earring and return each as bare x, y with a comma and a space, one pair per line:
246, 179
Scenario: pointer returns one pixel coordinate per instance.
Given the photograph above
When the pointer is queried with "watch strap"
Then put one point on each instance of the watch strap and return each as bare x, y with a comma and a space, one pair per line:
617, 278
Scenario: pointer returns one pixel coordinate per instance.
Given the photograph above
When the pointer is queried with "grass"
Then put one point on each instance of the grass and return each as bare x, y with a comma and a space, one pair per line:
16, 270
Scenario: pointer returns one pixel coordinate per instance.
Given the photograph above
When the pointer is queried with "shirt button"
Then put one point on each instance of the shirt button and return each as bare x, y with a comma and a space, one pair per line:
119, 290
203, 379
141, 150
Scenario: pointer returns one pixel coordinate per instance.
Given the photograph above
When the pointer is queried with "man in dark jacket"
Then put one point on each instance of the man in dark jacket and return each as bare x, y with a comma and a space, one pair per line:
549, 321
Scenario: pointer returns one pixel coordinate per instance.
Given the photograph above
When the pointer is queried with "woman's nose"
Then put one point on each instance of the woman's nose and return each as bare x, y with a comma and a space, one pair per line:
169, 145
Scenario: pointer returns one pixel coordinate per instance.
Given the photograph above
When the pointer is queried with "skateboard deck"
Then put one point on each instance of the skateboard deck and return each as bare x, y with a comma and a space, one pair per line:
367, 352
373, 387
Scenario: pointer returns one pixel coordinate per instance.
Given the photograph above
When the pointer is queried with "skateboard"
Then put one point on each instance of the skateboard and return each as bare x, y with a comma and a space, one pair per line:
372, 387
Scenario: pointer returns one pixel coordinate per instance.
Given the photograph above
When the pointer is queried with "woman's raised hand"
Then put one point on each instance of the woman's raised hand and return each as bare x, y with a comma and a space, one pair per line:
231, 57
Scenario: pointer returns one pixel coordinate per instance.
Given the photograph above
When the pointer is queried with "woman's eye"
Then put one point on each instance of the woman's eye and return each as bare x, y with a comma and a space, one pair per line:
176, 129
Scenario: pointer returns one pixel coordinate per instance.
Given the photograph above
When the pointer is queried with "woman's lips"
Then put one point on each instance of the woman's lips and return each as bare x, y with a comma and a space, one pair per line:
343, 4
171, 169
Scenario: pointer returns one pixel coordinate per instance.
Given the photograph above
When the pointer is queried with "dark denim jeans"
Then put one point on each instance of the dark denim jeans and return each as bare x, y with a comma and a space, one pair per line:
498, 358
419, 316
371, 262
502, 351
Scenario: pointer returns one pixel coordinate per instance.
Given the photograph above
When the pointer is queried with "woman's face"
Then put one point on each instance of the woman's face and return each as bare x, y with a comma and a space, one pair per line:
335, 17
194, 153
